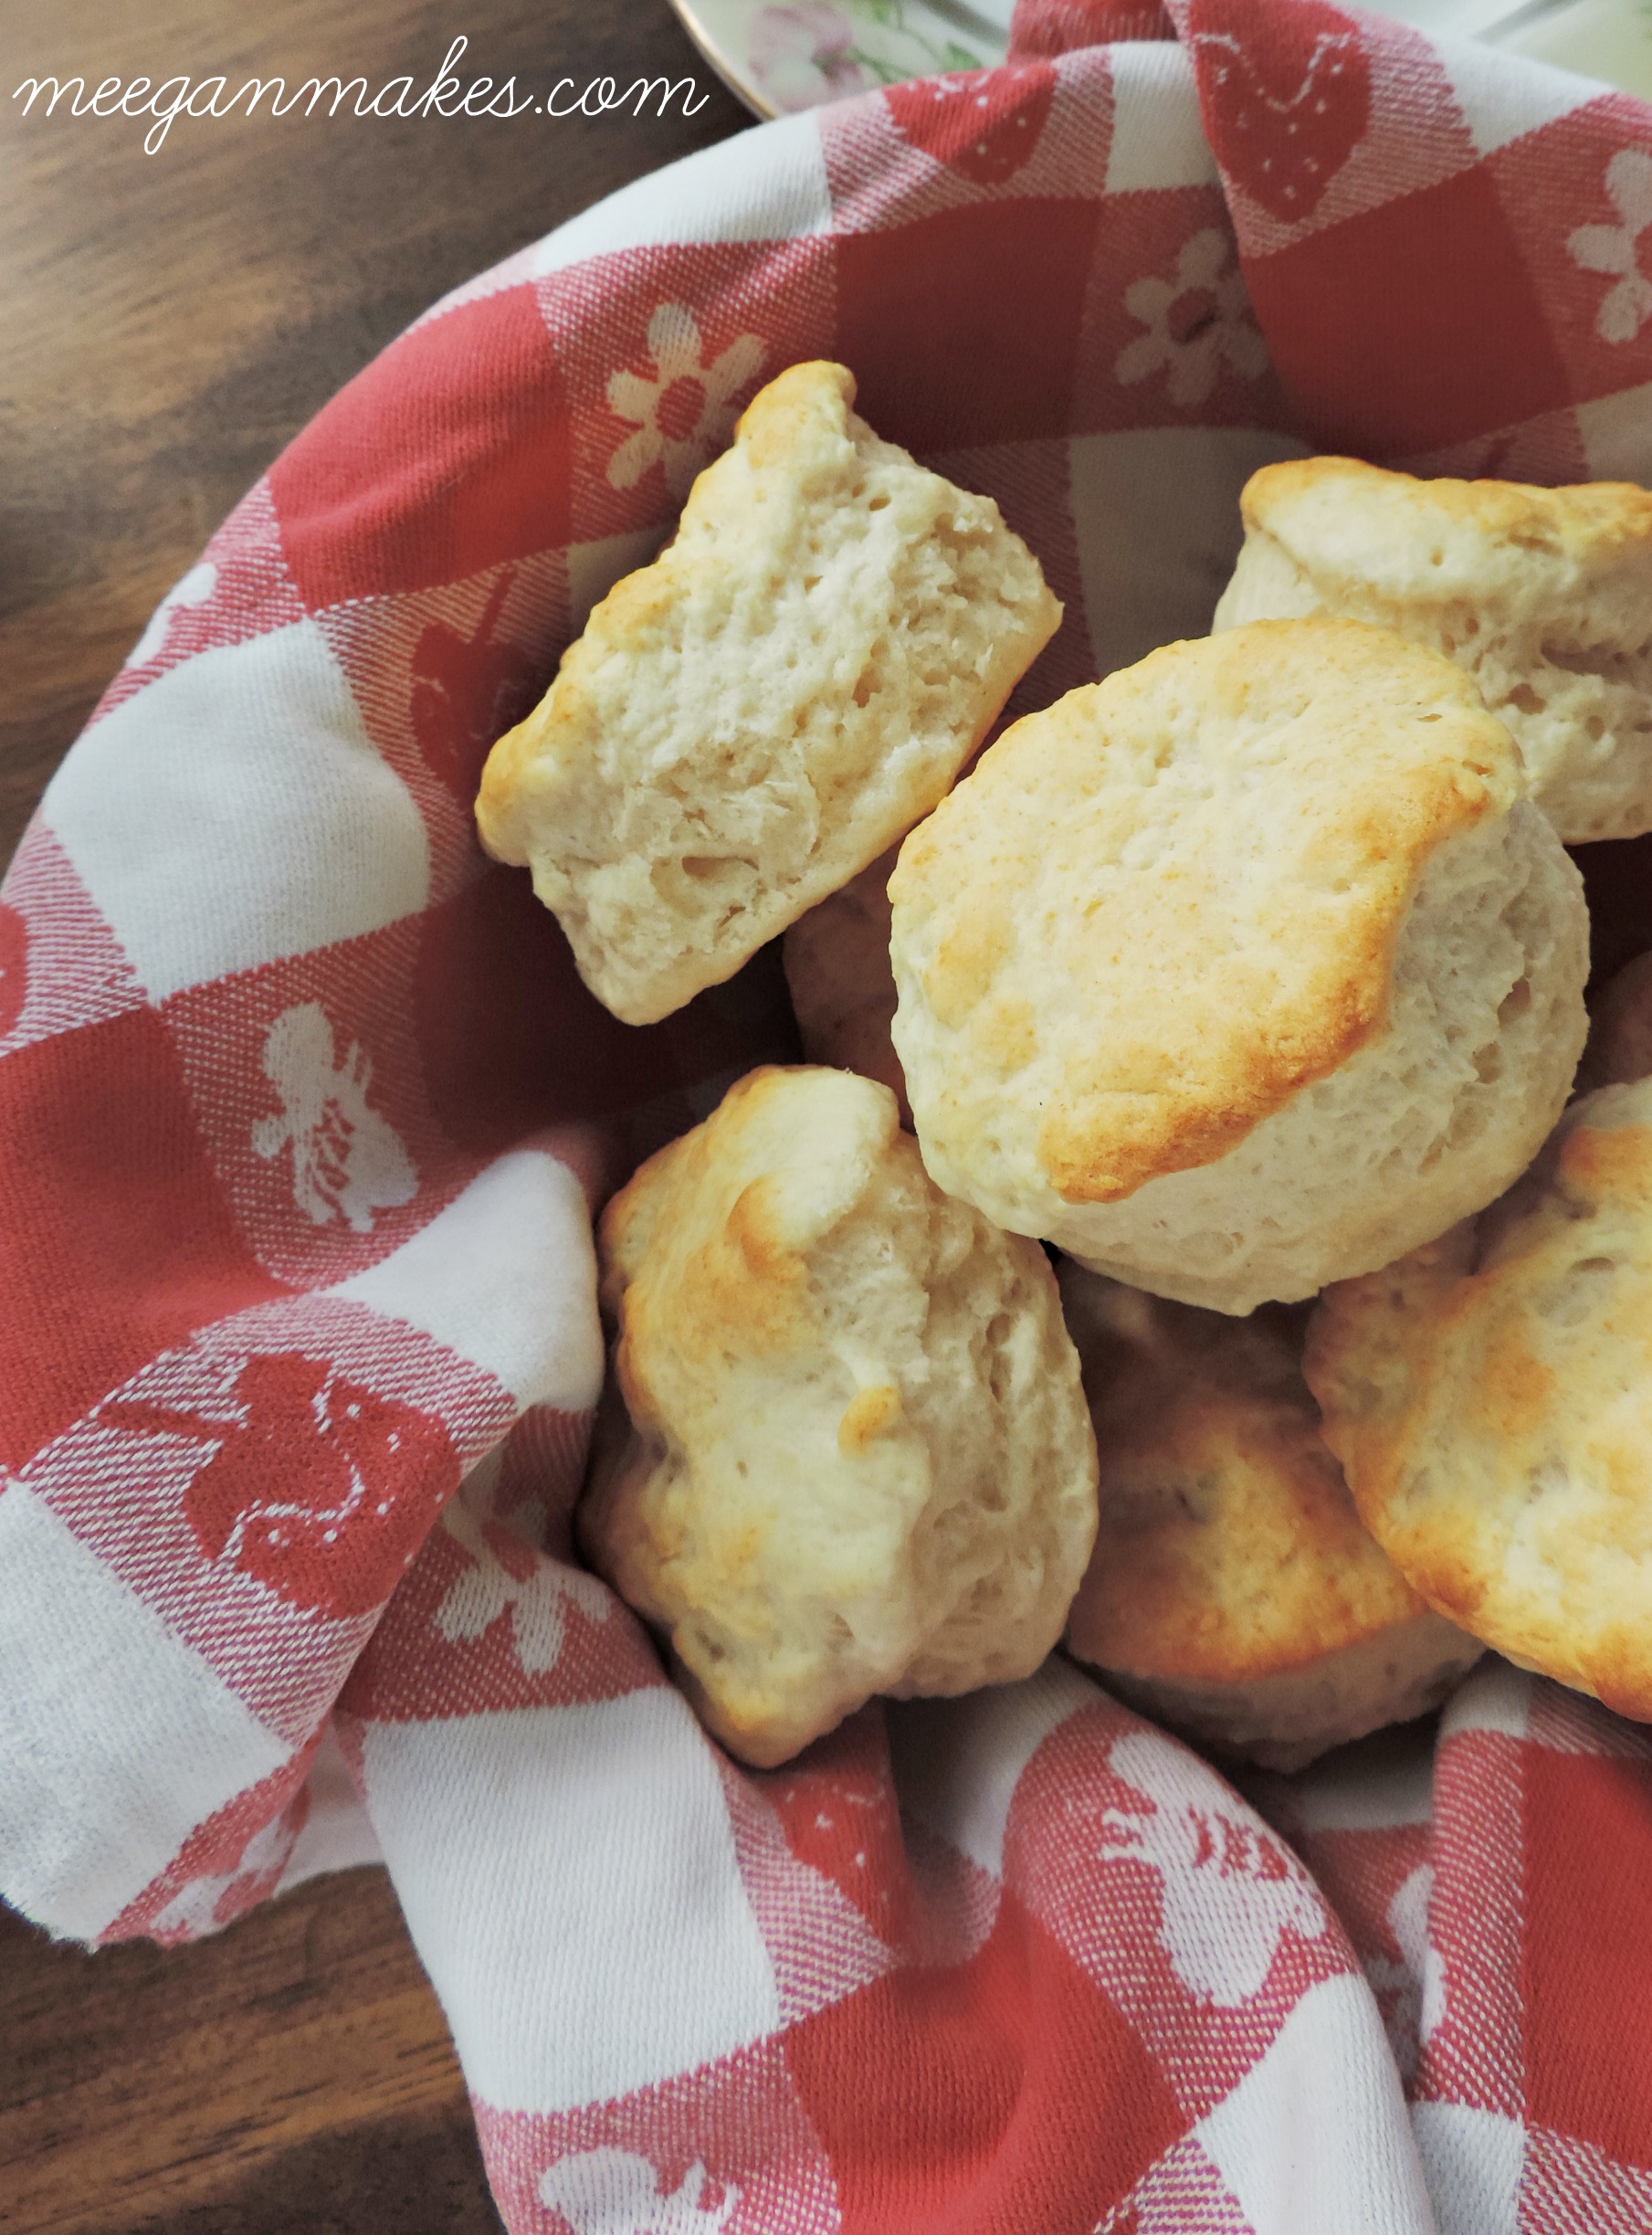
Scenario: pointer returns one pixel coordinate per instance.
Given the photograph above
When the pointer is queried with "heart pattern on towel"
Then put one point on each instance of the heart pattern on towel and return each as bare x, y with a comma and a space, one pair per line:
1286, 100
983, 125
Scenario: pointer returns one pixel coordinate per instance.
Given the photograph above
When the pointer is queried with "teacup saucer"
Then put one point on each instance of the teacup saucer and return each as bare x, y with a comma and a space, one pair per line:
782, 59
803, 53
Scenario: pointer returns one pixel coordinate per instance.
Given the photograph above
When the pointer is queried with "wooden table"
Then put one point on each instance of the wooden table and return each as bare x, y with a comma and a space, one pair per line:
169, 321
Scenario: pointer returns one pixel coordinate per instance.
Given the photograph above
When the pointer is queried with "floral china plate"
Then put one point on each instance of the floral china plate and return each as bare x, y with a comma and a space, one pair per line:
782, 59
798, 55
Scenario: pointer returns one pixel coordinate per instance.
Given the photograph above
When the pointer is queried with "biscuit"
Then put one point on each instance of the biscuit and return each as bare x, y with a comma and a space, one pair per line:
1233, 1590
748, 722
843, 991
859, 1458
1247, 969
1491, 1400
1542, 596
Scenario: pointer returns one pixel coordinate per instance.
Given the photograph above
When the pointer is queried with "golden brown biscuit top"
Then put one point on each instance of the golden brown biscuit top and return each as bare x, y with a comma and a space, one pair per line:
1164, 905
1481, 1330
707, 1216
1229, 1549
1491, 1397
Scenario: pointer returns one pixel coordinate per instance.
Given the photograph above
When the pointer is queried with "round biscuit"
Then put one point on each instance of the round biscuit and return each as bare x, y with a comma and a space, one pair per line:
1245, 970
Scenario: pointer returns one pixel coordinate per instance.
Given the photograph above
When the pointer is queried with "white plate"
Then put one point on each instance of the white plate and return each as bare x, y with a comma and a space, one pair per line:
1598, 38
803, 53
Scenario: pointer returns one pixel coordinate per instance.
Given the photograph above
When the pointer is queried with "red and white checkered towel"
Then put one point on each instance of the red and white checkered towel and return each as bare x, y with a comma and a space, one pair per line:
302, 1112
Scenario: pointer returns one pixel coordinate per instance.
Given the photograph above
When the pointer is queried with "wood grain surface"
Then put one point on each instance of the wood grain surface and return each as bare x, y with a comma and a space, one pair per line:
169, 321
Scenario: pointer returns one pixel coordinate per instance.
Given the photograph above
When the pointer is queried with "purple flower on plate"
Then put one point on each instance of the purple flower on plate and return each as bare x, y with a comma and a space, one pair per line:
805, 55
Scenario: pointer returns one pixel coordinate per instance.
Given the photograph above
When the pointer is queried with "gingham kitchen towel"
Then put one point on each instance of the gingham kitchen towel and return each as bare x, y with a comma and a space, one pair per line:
302, 1112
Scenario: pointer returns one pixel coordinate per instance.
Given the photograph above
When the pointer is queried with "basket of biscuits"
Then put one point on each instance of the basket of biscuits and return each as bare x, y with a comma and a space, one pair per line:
830, 1097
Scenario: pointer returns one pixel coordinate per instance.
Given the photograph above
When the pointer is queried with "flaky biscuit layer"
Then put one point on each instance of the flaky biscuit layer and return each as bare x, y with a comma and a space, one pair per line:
748, 722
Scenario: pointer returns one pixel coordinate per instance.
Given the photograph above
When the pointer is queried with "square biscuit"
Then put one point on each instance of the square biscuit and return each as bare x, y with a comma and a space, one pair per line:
790, 686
